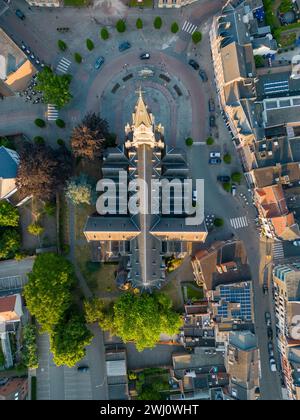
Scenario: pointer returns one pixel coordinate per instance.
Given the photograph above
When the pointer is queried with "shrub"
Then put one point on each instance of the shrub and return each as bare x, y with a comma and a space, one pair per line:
236, 177
196, 37
62, 45
157, 22
78, 58
121, 26
104, 34
219, 222
174, 27
227, 158
189, 141
90, 45
60, 123
227, 186
39, 140
60, 142
139, 23
210, 141
35, 229
40, 123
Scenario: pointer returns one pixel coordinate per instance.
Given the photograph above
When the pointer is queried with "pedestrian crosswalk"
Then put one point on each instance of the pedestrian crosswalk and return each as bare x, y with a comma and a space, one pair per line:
52, 113
63, 65
278, 251
189, 27
239, 222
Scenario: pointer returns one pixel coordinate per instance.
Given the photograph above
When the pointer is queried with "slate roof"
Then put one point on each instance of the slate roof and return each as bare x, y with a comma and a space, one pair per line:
8, 163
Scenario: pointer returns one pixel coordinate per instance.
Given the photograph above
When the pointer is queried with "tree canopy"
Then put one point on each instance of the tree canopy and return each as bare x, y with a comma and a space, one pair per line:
29, 352
79, 190
9, 215
10, 243
55, 88
47, 292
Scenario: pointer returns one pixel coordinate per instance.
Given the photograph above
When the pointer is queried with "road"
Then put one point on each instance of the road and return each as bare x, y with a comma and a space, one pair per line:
12, 268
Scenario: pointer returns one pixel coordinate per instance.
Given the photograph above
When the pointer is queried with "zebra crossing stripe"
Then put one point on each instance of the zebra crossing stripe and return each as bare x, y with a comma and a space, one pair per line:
189, 27
52, 113
63, 65
278, 251
239, 222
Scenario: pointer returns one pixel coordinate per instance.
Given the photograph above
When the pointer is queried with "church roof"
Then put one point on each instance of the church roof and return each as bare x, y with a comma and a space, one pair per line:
141, 115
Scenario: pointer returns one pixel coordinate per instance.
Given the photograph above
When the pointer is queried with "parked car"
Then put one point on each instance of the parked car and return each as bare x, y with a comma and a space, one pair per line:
194, 64
223, 178
215, 154
296, 243
203, 75
215, 161
20, 14
212, 121
270, 333
124, 46
270, 346
267, 316
211, 105
233, 190
145, 56
273, 365
265, 289
99, 62
83, 368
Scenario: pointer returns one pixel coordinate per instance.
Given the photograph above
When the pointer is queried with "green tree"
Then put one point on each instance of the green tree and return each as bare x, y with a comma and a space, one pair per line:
39, 140
9, 215
157, 23
90, 45
174, 28
189, 141
104, 34
30, 352
121, 26
79, 190
10, 242
94, 310
40, 123
60, 123
236, 177
259, 61
210, 141
35, 229
218, 222
143, 318
69, 339
62, 45
47, 292
197, 37
139, 23
227, 186
56, 89
227, 158
78, 58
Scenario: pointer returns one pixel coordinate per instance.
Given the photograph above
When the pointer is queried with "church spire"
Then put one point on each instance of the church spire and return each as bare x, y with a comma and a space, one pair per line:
141, 114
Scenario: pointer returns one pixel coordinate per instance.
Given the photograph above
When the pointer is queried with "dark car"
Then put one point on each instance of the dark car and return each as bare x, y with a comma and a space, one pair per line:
270, 333
211, 105
215, 161
83, 368
212, 121
194, 64
223, 178
124, 46
203, 76
145, 56
20, 14
265, 288
99, 63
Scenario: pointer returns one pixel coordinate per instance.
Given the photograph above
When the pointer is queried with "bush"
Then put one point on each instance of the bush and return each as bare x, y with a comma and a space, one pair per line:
90, 45
259, 61
218, 222
60, 142
227, 158
39, 140
35, 229
236, 177
139, 23
174, 27
210, 141
197, 37
104, 34
62, 45
121, 26
227, 186
78, 58
157, 22
9, 215
40, 123
189, 141
60, 123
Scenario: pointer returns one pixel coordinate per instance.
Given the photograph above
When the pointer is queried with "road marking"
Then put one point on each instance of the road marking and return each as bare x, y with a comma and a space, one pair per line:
189, 27
63, 65
52, 113
239, 222
278, 251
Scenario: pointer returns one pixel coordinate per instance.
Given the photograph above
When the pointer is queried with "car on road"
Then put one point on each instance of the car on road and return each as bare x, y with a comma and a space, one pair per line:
212, 121
203, 75
83, 368
124, 46
296, 243
268, 319
273, 365
215, 154
215, 161
145, 56
233, 190
270, 346
223, 178
194, 64
211, 105
270, 333
99, 62
20, 14
265, 289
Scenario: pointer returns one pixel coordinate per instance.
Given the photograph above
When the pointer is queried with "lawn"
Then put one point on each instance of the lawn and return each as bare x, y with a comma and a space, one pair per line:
76, 3
174, 292
144, 3
192, 292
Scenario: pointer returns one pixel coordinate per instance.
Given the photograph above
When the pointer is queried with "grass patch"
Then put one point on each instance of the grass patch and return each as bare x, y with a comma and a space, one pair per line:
192, 292
76, 3
145, 3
